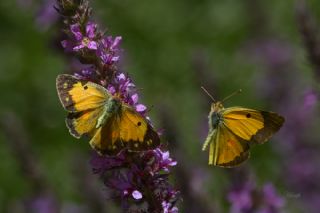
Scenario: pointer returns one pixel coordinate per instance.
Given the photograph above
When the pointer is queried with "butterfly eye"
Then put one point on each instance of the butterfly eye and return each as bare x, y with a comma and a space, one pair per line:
248, 115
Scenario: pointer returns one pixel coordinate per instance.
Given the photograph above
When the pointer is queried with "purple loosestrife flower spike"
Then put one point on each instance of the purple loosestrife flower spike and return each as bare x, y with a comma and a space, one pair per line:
138, 180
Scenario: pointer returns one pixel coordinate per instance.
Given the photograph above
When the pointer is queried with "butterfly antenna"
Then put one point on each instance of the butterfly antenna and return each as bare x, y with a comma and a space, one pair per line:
232, 94
206, 91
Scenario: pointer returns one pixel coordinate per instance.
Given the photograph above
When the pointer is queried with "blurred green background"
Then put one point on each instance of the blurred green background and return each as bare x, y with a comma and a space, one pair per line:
170, 49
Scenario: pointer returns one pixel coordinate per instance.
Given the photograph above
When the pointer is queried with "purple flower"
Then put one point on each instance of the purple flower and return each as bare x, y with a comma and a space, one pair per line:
109, 49
164, 162
82, 40
125, 176
271, 198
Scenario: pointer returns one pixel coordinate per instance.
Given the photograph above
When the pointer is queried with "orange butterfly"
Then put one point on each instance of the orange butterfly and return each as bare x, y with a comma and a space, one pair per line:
233, 130
110, 123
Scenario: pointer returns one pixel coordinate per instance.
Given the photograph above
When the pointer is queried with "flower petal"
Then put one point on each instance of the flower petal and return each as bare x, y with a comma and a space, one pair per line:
115, 59
136, 195
64, 43
121, 77
141, 108
116, 43
135, 98
92, 45
76, 48
75, 29
111, 89
91, 29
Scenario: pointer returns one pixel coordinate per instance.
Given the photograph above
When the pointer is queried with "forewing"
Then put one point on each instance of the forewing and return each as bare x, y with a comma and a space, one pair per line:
252, 125
272, 123
77, 95
227, 149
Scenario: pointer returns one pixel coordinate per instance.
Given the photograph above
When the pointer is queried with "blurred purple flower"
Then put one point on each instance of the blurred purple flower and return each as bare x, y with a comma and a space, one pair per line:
247, 199
271, 197
276, 53
241, 198
43, 204
310, 100
298, 148
46, 15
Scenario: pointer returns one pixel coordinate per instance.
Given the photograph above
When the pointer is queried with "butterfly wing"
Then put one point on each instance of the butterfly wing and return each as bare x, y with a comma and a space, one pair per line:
128, 129
83, 123
84, 100
77, 95
106, 140
252, 125
225, 148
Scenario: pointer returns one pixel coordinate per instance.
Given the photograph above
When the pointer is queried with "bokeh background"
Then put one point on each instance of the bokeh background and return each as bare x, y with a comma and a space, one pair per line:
269, 49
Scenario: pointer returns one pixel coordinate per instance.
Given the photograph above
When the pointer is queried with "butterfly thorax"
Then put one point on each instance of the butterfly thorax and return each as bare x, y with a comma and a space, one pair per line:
215, 116
111, 107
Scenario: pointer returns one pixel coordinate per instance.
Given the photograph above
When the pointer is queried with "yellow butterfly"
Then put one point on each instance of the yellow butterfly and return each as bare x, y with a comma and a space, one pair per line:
233, 130
110, 123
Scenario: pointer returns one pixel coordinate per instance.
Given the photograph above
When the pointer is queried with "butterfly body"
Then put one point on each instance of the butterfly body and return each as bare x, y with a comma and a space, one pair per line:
111, 107
233, 130
111, 124
215, 116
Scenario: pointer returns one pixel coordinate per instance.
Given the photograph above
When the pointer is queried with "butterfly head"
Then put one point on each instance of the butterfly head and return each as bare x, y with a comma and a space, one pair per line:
216, 106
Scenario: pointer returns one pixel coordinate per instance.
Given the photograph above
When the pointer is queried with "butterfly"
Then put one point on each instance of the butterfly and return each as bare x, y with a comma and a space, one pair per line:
233, 130
111, 124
